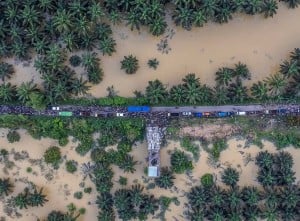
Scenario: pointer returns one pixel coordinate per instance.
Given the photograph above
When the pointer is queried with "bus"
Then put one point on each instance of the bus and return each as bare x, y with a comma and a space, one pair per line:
65, 113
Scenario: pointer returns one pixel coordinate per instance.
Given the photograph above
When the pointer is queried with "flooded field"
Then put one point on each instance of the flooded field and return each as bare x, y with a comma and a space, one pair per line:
61, 187
260, 43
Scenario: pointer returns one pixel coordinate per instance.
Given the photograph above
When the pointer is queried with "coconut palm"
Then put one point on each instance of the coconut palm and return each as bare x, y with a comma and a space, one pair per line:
209, 8
180, 162
270, 214
36, 198
269, 8
271, 197
234, 215
21, 201
233, 199
136, 196
41, 45
95, 11
288, 214
19, 49
253, 7
79, 86
285, 177
63, 20
251, 196
24, 91
166, 178
259, 91
276, 83
230, 177
5, 187
106, 215
266, 177
198, 196
237, 92
114, 17
251, 213
220, 95
157, 26
295, 55
289, 197
30, 15
133, 20
284, 160
153, 63
127, 164
224, 76
199, 18
196, 214
216, 214
241, 71
292, 3
217, 197
224, 13
264, 160
6, 70
177, 94
105, 201
107, 45
156, 92
130, 64
183, 16
290, 69
7, 92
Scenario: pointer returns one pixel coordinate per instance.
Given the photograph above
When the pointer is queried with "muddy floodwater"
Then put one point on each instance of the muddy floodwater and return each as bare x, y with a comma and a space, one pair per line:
260, 43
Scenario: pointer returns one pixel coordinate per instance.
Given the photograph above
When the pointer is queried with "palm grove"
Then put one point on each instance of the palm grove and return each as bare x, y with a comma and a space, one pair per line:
49, 30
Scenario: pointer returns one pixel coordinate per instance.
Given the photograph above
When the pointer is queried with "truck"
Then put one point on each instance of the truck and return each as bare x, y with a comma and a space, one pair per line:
65, 113
132, 109
222, 114
198, 114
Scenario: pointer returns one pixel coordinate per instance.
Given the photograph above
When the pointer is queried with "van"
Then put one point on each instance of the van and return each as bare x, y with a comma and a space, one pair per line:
241, 113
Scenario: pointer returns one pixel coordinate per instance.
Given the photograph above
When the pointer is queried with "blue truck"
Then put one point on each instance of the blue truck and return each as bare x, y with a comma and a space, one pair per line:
132, 109
198, 114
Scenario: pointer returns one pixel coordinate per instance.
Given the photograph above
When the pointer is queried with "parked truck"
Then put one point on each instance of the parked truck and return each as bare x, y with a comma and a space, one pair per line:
132, 109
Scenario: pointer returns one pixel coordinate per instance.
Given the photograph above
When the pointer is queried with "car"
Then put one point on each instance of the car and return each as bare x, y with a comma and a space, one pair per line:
241, 113
206, 114
55, 108
186, 113
282, 111
173, 114
199, 114
222, 114
120, 114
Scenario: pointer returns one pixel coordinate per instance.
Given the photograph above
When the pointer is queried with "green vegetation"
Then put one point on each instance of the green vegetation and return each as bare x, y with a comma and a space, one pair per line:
218, 146
153, 63
130, 64
71, 166
180, 162
122, 181
52, 156
75, 60
30, 198
13, 136
230, 177
5, 187
78, 195
189, 146
28, 169
166, 178
246, 203
207, 180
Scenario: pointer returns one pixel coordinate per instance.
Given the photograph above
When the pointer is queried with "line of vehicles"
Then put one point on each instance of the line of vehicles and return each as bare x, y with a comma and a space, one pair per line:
130, 110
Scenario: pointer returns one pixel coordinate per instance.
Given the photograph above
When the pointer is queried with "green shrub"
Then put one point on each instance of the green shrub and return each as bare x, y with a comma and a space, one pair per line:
75, 60
153, 63
122, 181
71, 166
28, 169
218, 147
13, 136
63, 141
87, 190
130, 64
187, 144
3, 152
82, 211
207, 180
52, 155
78, 195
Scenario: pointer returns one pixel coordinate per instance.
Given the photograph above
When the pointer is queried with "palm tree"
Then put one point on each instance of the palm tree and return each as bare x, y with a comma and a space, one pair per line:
156, 92
165, 180
136, 196
290, 69
157, 26
183, 16
217, 197
180, 162
209, 8
295, 55
198, 197
241, 71
216, 214
36, 198
29, 15
177, 94
269, 8
253, 7
153, 63
270, 214
235, 215
220, 95
7, 92
289, 197
251, 196
105, 201
127, 164
130, 64
41, 45
284, 160
106, 215
276, 83
133, 20
192, 88
79, 86
237, 92
95, 11
6, 70
271, 197
292, 3
251, 213
224, 76
24, 91
199, 18
230, 177
264, 160
224, 13
259, 91
266, 177
288, 214
5, 187
21, 201
63, 21
107, 45
196, 214
90, 61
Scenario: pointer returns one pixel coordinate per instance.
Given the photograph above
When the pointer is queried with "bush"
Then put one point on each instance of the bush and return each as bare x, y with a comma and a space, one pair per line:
78, 195
28, 169
52, 155
63, 141
71, 166
218, 147
153, 63
122, 181
207, 180
87, 190
75, 60
13, 136
187, 144
82, 211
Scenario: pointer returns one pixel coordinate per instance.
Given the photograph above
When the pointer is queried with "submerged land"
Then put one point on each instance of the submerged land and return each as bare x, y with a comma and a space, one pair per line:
221, 78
